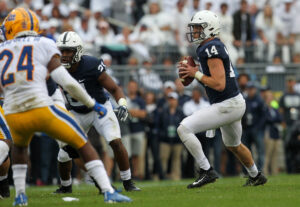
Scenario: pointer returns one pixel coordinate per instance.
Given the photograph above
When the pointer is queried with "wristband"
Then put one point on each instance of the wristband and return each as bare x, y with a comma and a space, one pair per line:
199, 75
122, 102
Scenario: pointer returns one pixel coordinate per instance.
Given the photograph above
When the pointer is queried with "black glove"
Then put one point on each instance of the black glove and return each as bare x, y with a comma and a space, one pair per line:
122, 113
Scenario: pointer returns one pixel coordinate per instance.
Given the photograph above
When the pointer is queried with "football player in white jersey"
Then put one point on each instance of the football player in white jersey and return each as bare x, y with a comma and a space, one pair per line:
26, 60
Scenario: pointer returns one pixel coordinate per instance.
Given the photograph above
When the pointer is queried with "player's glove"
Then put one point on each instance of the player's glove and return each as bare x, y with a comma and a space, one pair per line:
122, 111
100, 109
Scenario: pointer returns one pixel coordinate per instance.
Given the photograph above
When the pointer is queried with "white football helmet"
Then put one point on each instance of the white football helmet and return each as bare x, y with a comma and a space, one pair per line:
70, 41
210, 24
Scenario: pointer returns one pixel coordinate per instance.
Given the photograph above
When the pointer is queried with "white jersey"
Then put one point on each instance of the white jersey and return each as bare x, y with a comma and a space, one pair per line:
23, 72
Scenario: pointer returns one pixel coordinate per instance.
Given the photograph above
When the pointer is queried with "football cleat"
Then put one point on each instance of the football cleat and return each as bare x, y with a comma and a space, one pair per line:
129, 185
100, 191
21, 200
64, 189
205, 177
115, 197
260, 179
4, 189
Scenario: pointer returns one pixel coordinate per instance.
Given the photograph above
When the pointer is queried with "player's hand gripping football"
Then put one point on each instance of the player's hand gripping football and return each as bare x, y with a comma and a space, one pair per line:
100, 109
122, 113
186, 70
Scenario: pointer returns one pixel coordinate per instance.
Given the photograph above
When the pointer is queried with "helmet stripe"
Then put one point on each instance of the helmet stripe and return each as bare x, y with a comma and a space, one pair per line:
31, 19
65, 38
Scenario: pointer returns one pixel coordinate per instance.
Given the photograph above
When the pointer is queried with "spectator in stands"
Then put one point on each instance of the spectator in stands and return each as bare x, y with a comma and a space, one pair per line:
27, 4
272, 135
132, 64
170, 145
194, 7
290, 109
295, 33
209, 5
135, 144
86, 34
269, 29
242, 31
182, 18
152, 139
74, 18
254, 122
122, 11
149, 80
243, 80
131, 40
53, 29
296, 58
107, 60
169, 87
106, 42
138, 10
197, 102
3, 10
287, 14
37, 8
226, 32
105, 36
104, 7
169, 68
182, 96
163, 20
56, 7
149, 36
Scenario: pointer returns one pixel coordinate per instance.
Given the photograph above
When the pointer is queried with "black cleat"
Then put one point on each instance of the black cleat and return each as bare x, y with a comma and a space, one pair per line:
64, 189
129, 185
100, 191
260, 179
4, 189
96, 185
205, 177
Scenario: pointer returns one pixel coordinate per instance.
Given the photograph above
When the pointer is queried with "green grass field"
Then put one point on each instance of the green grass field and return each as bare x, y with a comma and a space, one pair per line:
281, 191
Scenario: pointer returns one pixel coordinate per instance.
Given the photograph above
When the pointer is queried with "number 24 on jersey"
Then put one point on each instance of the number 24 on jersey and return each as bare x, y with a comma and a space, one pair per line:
24, 64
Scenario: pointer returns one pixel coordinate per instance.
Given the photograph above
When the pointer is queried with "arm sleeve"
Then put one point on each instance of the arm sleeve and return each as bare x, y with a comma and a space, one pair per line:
65, 80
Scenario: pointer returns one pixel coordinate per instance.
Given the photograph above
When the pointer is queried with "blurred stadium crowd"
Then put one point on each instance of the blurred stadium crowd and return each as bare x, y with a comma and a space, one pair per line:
139, 34
252, 30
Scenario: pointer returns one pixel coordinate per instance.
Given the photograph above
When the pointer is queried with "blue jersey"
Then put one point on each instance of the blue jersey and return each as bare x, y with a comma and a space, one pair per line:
51, 86
216, 49
87, 74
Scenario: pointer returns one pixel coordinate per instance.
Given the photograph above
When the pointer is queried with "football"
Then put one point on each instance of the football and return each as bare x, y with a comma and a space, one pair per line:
189, 60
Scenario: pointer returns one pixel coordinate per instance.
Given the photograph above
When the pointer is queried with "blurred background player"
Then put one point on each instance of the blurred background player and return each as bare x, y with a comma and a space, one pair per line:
90, 73
227, 104
29, 109
5, 142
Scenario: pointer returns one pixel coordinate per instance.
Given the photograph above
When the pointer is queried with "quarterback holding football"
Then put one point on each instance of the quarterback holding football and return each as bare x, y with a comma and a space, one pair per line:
227, 104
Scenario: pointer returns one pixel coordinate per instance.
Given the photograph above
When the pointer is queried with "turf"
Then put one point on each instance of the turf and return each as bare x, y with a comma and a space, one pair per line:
282, 190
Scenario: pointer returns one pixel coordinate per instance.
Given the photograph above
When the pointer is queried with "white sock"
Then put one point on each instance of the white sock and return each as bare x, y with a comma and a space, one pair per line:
3, 177
125, 175
252, 170
66, 182
19, 176
194, 146
96, 170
